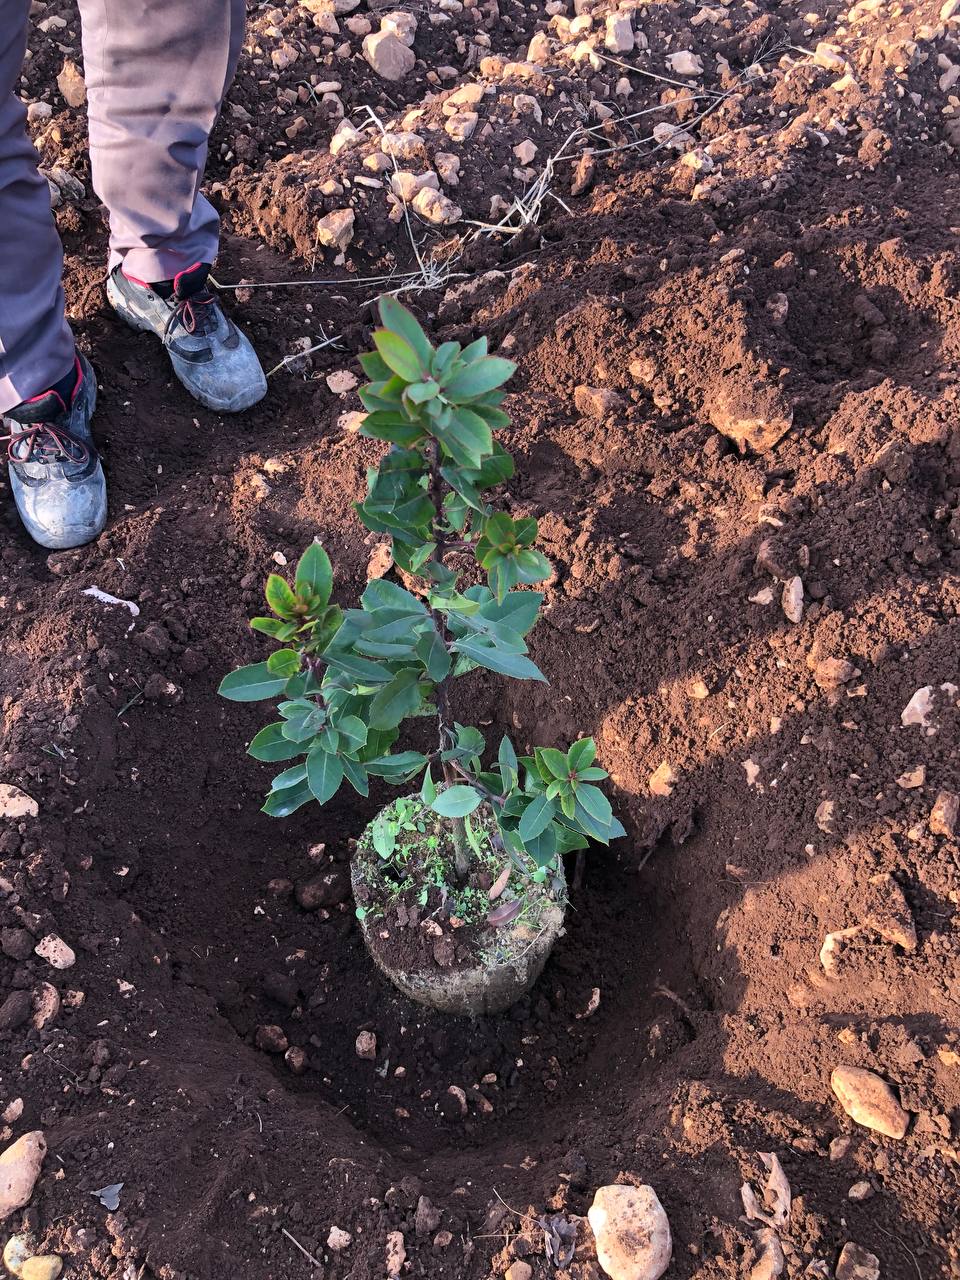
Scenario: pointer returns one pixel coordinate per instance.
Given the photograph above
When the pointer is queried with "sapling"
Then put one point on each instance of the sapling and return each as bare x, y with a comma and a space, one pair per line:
348, 679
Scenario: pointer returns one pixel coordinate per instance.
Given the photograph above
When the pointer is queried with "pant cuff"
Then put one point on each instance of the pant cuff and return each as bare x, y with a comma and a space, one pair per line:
151, 265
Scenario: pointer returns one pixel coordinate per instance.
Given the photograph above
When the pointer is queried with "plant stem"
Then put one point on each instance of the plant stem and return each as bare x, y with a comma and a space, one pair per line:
461, 849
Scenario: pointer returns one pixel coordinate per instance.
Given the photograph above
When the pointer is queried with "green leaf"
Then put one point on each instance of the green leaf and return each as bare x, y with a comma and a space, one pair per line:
419, 392
285, 662
280, 597
543, 848
274, 627
396, 317
374, 366
289, 778
554, 761
592, 774
473, 434
509, 767
397, 700
381, 593
270, 745
532, 566
391, 427
314, 574
477, 378
432, 652
536, 818
251, 684
456, 801
324, 774
383, 833
399, 355
280, 804
581, 755
360, 669
428, 791
505, 664
302, 728
400, 765
443, 358
354, 731
356, 775
596, 804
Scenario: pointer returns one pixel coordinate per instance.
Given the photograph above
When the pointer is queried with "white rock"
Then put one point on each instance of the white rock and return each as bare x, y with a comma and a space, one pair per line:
771, 1261
341, 381
335, 231
619, 36
403, 146
792, 599
917, 711
448, 167
436, 207
19, 1169
390, 58
632, 1233
367, 1046
16, 1252
46, 1005
339, 1239
402, 25
406, 184
869, 1100
12, 1111
833, 945
662, 780
55, 951
396, 1254
855, 1263
672, 136
71, 85
685, 63
829, 57
461, 126
949, 8
39, 111
525, 151
526, 105
15, 803
284, 56
345, 136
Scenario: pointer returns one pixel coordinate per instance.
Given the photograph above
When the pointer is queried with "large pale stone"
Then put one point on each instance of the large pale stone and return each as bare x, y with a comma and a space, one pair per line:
869, 1100
436, 207
390, 58
855, 1263
19, 1169
632, 1233
335, 231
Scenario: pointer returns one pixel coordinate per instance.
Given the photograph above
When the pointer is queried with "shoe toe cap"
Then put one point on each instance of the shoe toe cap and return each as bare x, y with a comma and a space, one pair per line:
233, 380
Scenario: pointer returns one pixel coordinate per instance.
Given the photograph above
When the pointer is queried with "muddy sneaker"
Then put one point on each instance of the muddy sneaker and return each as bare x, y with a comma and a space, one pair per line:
210, 356
55, 474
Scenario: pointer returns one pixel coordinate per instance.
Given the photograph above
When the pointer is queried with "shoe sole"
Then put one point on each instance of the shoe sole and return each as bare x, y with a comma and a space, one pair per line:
236, 405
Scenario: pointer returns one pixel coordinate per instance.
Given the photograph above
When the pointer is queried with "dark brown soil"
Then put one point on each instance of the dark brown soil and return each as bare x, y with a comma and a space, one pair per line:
819, 277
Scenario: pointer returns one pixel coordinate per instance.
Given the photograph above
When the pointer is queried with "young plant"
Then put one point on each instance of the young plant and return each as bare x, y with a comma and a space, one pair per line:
348, 679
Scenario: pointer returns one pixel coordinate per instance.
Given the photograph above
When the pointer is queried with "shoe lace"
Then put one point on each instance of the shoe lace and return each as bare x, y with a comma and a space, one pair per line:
196, 314
46, 443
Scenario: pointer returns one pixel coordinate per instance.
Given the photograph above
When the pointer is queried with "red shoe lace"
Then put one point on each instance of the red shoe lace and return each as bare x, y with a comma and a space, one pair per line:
49, 442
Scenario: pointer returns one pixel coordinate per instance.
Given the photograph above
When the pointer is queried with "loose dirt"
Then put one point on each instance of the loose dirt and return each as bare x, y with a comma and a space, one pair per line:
789, 274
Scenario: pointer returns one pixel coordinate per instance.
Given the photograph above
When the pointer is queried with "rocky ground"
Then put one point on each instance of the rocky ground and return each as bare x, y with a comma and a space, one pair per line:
722, 245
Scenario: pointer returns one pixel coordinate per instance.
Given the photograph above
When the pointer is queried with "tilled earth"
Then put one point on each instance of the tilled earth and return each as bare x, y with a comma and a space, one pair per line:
742, 630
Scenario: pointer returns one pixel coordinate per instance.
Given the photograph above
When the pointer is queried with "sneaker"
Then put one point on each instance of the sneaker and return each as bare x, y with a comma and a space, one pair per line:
210, 356
55, 473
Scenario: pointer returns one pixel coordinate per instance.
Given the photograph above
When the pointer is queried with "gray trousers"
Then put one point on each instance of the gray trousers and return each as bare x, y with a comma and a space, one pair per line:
156, 73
